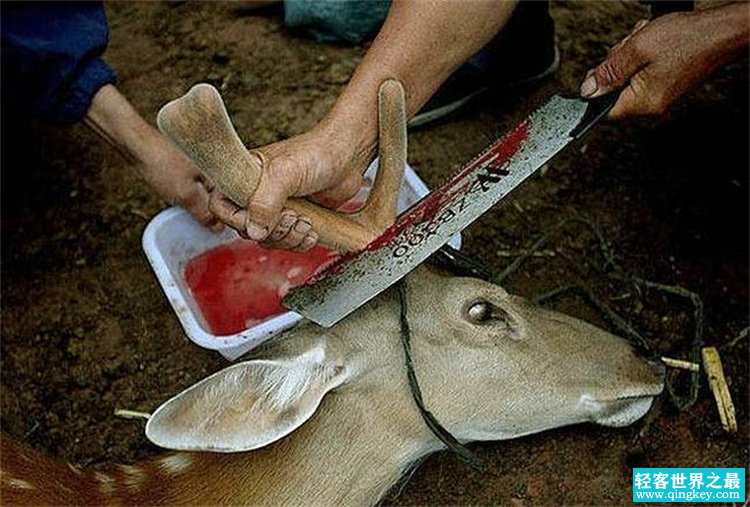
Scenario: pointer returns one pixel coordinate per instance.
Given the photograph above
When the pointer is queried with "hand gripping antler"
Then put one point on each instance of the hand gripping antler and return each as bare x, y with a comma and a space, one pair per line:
199, 124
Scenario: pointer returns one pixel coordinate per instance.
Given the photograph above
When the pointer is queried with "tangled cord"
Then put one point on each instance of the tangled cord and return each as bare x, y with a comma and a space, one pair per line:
464, 265
612, 269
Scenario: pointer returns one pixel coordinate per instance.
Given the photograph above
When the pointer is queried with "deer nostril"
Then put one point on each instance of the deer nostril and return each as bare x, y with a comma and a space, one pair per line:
658, 367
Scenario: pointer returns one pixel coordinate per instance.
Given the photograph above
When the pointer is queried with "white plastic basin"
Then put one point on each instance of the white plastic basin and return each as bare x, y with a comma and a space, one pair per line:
173, 237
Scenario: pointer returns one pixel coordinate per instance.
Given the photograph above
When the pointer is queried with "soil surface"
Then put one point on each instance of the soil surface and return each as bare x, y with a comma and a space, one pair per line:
86, 328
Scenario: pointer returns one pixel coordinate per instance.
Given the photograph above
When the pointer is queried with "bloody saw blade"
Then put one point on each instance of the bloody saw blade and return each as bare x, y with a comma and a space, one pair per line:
426, 226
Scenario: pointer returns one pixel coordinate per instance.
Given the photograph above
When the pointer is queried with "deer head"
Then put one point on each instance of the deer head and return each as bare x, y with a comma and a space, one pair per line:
491, 366
333, 412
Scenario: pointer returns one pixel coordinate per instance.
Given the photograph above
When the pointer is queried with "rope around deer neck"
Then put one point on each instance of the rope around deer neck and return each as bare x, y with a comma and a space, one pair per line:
445, 436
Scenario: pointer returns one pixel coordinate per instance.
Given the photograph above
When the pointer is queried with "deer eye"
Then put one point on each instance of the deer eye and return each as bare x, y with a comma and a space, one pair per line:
482, 312
479, 312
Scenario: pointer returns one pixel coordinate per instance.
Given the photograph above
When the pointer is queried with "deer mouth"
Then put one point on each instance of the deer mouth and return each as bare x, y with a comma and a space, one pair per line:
623, 411
630, 404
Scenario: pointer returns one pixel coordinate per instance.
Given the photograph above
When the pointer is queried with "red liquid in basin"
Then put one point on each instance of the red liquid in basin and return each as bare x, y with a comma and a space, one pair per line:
240, 284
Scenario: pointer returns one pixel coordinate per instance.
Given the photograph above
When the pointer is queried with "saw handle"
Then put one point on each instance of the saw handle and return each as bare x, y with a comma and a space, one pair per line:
596, 109
198, 123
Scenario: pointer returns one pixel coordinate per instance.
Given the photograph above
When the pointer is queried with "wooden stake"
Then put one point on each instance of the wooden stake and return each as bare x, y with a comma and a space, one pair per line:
131, 414
681, 364
718, 384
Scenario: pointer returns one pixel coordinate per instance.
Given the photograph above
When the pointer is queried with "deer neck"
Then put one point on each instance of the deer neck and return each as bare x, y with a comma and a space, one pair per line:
350, 454
363, 437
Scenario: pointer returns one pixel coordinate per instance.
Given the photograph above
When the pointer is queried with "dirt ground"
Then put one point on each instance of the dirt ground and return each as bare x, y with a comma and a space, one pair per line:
86, 328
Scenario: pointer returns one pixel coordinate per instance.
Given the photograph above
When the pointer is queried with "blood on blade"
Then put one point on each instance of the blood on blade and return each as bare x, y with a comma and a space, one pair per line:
428, 208
494, 160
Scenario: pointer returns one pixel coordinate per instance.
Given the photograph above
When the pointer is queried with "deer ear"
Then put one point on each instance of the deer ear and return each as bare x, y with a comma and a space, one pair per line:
246, 406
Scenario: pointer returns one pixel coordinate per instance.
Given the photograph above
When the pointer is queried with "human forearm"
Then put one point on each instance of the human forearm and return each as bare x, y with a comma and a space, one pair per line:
421, 43
113, 118
165, 168
727, 31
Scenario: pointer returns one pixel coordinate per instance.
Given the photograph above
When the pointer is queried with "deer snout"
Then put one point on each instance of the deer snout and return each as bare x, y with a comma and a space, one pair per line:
632, 399
657, 366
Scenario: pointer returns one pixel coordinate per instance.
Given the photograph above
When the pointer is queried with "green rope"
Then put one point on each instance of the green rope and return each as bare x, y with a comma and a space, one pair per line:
460, 263
622, 325
467, 266
437, 429
613, 269
684, 402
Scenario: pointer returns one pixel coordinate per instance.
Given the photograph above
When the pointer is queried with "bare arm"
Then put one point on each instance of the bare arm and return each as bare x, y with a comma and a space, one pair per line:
421, 43
165, 168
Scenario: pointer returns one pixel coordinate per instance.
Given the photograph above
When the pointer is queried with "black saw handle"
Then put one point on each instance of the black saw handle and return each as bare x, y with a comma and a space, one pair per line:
596, 110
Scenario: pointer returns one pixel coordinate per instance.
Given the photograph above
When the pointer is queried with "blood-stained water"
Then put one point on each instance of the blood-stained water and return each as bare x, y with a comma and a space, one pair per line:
239, 284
